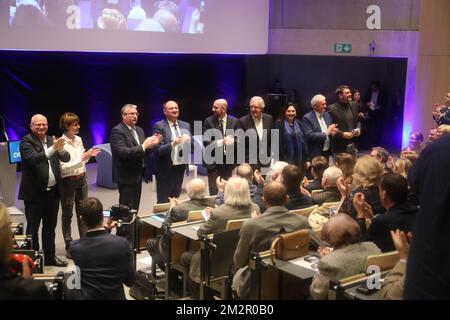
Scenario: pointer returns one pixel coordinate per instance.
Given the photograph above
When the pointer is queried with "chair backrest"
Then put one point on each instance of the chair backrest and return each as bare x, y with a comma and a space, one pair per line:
195, 215
305, 211
384, 261
234, 224
161, 207
221, 257
329, 204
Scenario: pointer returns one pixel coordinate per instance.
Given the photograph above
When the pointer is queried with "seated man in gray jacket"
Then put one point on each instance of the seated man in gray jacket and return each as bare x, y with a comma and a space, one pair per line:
257, 233
196, 190
346, 256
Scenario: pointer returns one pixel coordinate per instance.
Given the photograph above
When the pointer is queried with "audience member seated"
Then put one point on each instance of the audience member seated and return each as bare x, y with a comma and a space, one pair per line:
443, 129
409, 155
275, 171
330, 192
383, 157
105, 260
244, 171
345, 162
318, 165
291, 177
15, 286
237, 205
394, 283
257, 234
345, 258
367, 174
415, 142
399, 215
402, 167
196, 190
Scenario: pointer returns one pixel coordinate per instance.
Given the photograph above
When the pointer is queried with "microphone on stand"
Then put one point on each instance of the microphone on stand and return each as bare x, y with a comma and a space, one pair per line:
4, 128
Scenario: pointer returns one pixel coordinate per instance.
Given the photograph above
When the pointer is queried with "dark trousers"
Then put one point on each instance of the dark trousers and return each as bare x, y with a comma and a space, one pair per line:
45, 209
130, 195
74, 190
221, 170
170, 185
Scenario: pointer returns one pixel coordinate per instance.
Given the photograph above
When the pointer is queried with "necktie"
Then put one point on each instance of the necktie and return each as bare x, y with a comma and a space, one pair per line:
133, 131
323, 125
175, 127
221, 126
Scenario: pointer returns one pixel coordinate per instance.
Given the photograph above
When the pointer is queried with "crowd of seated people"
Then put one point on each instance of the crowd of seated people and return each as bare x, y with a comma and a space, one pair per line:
375, 196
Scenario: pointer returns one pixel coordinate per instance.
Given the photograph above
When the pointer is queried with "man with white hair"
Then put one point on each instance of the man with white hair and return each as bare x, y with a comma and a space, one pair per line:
218, 161
330, 192
259, 123
196, 189
318, 127
238, 205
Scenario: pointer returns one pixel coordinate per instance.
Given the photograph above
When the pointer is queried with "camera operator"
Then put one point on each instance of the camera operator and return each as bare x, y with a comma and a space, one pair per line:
12, 285
105, 260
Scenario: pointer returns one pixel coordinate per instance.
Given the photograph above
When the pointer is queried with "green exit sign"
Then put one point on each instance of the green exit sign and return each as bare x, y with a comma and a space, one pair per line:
342, 48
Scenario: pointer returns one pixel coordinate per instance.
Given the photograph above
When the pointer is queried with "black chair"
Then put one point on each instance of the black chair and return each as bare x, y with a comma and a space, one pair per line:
217, 253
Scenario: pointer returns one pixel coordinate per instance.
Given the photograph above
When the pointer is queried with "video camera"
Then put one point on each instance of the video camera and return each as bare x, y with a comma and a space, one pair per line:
120, 212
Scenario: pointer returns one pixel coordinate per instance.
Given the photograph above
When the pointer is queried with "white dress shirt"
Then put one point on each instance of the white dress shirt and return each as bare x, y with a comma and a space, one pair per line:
324, 128
175, 131
135, 135
48, 153
258, 127
75, 166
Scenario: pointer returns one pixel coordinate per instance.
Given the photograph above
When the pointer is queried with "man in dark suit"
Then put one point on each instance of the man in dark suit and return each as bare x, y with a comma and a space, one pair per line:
128, 148
257, 127
427, 274
318, 127
330, 192
217, 160
172, 154
257, 233
292, 177
344, 113
399, 215
41, 175
105, 260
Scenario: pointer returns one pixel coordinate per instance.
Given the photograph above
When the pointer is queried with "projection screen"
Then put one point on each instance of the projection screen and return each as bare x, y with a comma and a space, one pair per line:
177, 26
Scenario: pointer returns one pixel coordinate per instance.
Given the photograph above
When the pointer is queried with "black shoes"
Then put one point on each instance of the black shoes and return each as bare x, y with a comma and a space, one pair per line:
56, 262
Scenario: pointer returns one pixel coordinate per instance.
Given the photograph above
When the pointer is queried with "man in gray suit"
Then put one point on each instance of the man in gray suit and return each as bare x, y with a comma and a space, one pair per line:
257, 233
196, 189
238, 205
346, 256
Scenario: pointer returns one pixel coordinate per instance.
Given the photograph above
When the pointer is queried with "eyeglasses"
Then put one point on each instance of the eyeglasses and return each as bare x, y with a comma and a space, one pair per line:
131, 113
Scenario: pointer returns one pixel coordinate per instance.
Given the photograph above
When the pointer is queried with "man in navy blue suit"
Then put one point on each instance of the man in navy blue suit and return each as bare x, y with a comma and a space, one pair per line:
317, 128
171, 155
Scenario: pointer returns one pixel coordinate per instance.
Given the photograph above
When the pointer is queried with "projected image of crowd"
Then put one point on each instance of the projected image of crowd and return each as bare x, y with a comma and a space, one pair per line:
181, 16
